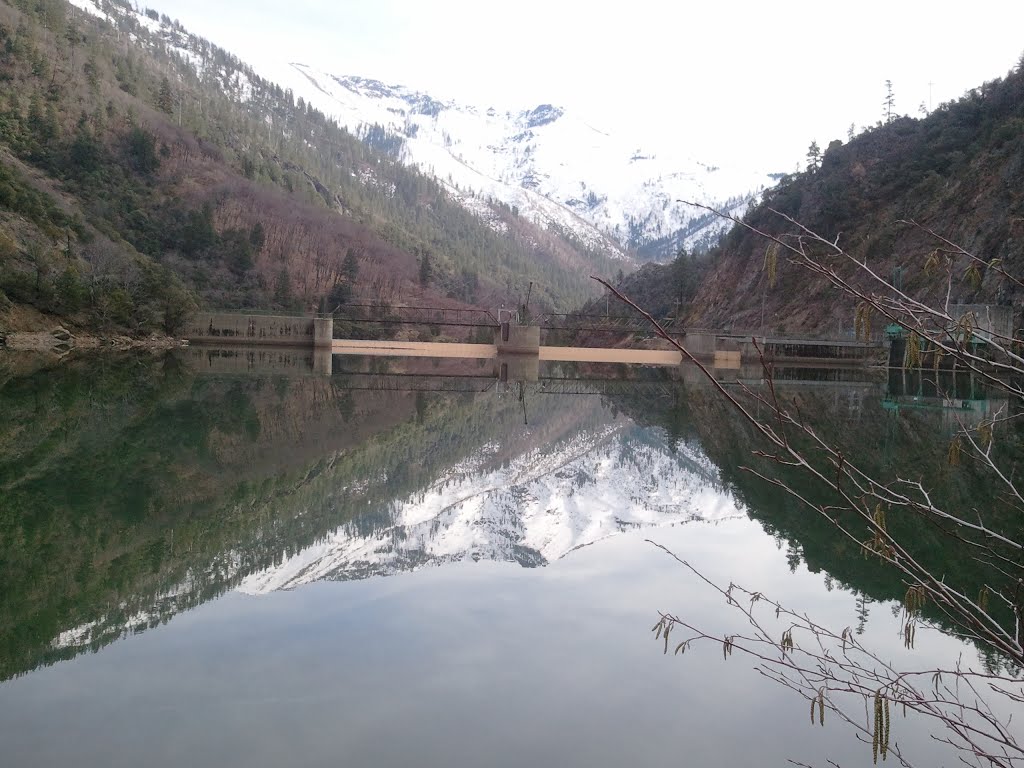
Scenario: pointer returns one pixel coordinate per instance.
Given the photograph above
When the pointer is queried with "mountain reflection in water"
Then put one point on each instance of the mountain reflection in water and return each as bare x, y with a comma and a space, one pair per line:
138, 487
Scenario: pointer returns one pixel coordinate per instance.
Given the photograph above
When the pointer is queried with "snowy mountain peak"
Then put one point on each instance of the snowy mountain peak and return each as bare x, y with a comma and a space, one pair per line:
546, 162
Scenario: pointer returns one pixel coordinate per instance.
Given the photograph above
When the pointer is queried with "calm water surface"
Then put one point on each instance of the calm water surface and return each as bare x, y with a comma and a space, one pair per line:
224, 557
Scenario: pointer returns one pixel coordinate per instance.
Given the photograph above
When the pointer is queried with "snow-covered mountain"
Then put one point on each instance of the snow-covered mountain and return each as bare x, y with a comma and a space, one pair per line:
533, 510
547, 163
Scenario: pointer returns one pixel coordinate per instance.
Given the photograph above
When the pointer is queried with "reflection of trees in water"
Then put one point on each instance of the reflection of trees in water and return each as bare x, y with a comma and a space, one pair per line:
863, 601
911, 440
138, 489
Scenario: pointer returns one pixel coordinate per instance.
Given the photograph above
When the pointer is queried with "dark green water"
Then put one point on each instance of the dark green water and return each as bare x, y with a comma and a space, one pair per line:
218, 559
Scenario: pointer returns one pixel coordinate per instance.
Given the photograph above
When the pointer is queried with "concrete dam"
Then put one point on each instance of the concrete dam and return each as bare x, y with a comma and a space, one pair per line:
723, 349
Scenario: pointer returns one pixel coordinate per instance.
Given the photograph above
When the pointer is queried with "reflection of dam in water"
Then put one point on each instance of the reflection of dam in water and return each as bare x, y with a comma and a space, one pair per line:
470, 368
328, 361
962, 397
424, 367
370, 372
293, 361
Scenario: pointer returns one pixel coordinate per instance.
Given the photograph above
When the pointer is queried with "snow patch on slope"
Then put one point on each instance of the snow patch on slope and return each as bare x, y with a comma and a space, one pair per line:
89, 7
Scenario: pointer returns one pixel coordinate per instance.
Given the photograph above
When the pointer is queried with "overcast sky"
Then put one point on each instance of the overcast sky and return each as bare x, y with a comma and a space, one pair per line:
755, 80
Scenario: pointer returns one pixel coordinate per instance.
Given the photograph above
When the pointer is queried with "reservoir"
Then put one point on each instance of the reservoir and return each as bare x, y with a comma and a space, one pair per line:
232, 557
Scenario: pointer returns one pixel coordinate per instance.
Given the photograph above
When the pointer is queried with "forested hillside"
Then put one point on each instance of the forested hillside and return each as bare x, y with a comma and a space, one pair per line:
959, 172
143, 171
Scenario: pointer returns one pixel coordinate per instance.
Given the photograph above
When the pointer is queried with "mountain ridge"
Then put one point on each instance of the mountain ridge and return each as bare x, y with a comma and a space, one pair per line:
546, 161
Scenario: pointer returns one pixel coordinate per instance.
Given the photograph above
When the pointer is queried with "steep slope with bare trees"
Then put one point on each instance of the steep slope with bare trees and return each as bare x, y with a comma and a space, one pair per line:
143, 171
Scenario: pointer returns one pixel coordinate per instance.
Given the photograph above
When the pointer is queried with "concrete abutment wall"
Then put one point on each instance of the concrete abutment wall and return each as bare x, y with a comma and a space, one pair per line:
255, 329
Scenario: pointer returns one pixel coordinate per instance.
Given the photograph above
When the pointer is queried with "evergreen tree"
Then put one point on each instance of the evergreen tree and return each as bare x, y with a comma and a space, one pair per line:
142, 149
73, 38
84, 152
71, 292
52, 123
165, 96
92, 74
889, 104
36, 117
283, 288
340, 294
257, 237
426, 269
350, 266
813, 156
